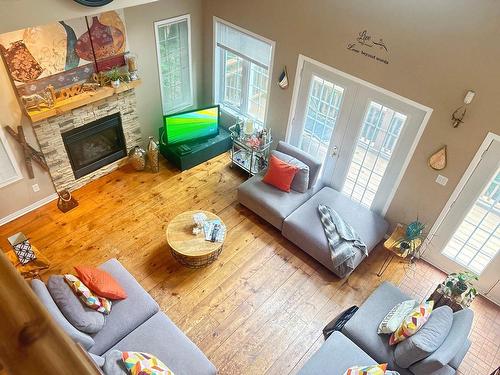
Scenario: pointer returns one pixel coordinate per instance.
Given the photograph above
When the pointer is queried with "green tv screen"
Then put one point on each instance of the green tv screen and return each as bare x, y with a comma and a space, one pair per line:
188, 126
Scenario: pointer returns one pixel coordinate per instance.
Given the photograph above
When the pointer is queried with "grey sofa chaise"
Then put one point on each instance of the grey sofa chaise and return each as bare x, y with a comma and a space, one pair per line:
134, 324
296, 214
438, 351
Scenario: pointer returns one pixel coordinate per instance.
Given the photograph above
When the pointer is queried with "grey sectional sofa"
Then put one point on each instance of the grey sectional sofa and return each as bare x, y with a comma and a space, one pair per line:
431, 353
135, 324
296, 214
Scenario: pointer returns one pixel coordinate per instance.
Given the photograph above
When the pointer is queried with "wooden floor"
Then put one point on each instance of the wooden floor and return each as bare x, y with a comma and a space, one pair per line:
259, 309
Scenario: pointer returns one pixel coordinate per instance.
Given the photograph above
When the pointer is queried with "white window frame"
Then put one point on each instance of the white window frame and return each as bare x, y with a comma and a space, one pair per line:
11, 159
218, 71
173, 20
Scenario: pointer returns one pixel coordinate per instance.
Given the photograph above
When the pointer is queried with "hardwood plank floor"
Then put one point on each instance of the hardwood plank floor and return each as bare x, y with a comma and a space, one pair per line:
259, 309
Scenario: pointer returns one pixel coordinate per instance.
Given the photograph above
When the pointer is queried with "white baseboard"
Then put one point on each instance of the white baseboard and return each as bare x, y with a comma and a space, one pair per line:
27, 209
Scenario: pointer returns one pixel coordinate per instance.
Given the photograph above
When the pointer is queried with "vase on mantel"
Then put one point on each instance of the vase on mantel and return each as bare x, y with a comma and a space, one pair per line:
137, 158
154, 155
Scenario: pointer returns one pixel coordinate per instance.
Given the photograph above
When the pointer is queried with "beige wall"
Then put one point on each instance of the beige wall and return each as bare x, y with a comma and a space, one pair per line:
19, 194
437, 50
140, 32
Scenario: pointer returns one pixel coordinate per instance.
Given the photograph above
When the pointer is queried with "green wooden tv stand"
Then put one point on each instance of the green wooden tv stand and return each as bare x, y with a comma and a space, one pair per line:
200, 150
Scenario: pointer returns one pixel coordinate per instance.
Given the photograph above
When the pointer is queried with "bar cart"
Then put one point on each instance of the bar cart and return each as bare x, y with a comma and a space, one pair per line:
249, 153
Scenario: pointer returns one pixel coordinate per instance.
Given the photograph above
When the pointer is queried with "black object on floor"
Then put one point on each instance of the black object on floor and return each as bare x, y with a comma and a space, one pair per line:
339, 322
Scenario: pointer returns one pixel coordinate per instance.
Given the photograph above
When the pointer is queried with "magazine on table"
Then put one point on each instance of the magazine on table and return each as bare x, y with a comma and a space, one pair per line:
214, 230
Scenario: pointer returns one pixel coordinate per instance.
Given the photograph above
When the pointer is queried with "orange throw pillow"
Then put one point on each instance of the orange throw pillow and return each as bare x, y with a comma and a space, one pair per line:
280, 174
100, 282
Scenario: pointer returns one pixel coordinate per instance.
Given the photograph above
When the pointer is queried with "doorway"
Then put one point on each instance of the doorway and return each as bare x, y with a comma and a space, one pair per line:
467, 233
364, 135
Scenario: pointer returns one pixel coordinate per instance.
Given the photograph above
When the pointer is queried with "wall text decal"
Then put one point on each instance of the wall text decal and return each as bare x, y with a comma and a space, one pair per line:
369, 46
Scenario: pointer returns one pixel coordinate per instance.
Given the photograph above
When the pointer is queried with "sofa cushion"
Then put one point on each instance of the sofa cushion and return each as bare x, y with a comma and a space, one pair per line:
100, 282
280, 174
40, 289
412, 323
311, 237
160, 337
313, 164
113, 364
98, 360
452, 346
335, 356
268, 202
127, 314
80, 316
362, 327
300, 181
426, 340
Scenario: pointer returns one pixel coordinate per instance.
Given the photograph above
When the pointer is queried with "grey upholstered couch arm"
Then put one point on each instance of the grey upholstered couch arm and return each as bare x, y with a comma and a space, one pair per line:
313, 164
452, 345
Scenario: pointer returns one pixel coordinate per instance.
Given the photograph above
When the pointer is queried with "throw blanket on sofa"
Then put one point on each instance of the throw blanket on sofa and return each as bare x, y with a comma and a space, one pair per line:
343, 240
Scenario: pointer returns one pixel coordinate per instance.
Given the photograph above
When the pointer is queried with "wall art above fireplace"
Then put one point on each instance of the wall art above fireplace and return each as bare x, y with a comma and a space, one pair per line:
64, 53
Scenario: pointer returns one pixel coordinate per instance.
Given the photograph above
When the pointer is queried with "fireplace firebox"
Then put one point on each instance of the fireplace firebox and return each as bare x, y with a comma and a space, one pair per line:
96, 144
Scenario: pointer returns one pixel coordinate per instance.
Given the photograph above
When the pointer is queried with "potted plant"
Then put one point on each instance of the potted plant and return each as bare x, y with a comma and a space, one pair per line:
460, 287
115, 76
413, 238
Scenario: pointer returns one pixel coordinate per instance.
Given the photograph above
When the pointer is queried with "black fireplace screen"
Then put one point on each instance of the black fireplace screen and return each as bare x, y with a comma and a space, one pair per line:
95, 145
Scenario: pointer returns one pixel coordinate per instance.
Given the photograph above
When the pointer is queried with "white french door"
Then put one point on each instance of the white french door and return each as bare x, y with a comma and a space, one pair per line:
362, 134
468, 234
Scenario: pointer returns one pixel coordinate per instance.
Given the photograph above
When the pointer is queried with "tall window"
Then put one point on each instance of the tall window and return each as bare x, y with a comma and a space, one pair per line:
9, 170
242, 71
173, 47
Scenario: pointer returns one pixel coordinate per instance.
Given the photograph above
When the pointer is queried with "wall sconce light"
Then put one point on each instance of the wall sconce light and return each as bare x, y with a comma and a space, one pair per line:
459, 114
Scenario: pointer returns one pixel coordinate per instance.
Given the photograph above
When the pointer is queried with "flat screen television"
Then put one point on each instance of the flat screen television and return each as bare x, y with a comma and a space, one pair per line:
192, 125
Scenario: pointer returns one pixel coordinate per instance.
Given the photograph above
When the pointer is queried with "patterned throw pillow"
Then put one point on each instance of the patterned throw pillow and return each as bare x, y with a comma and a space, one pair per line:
367, 370
395, 317
144, 364
100, 304
412, 323
24, 252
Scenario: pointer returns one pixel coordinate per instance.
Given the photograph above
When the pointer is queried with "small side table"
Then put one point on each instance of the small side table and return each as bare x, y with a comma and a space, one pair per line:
251, 159
440, 300
30, 270
191, 250
393, 247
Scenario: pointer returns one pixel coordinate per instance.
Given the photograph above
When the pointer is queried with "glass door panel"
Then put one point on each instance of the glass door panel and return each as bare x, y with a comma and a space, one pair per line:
476, 242
374, 148
468, 237
323, 106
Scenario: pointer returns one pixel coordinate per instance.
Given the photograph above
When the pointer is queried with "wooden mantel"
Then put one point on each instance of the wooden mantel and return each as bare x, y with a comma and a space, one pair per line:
79, 101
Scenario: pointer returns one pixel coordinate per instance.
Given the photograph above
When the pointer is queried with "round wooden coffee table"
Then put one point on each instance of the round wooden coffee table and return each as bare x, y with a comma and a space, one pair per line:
191, 250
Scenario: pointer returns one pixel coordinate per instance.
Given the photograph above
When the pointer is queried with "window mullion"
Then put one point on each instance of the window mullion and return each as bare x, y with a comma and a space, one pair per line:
245, 87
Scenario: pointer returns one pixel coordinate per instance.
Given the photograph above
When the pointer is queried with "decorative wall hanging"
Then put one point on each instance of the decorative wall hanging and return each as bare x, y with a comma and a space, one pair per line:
367, 45
283, 79
30, 154
64, 53
458, 116
438, 160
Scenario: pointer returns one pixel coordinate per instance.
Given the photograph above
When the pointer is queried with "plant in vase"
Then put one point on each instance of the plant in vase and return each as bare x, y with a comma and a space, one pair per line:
116, 76
460, 287
413, 238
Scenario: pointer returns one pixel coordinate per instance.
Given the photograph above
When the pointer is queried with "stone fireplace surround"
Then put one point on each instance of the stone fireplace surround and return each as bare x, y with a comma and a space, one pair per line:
48, 133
